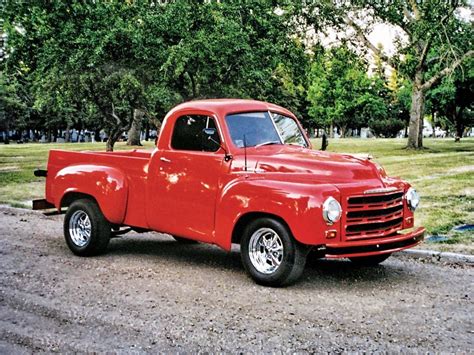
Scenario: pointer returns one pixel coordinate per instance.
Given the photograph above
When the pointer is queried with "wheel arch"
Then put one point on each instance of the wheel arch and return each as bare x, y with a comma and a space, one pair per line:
71, 196
249, 217
107, 186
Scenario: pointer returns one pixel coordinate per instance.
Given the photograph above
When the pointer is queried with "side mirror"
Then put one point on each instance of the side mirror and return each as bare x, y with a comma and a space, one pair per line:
209, 131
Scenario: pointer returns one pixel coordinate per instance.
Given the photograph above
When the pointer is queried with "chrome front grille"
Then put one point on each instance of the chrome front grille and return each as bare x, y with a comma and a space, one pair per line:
373, 216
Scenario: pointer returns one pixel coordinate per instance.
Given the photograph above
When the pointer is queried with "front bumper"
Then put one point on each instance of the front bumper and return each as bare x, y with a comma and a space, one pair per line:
374, 246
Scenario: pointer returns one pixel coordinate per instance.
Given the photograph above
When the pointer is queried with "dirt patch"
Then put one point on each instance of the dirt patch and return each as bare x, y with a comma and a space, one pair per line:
150, 294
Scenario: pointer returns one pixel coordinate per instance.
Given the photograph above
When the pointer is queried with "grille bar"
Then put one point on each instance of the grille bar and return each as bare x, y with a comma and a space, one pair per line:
369, 222
364, 200
374, 213
368, 227
377, 206
374, 234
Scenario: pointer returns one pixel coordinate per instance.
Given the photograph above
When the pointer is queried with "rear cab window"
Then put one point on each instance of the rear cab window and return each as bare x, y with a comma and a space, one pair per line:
188, 134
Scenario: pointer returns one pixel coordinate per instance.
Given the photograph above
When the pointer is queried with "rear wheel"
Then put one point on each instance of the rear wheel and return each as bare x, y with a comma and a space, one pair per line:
270, 254
372, 260
86, 230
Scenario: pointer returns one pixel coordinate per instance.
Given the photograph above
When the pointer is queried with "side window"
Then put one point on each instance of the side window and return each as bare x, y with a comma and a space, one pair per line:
188, 134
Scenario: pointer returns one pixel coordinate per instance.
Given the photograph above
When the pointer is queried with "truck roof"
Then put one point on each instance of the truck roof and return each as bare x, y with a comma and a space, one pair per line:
226, 106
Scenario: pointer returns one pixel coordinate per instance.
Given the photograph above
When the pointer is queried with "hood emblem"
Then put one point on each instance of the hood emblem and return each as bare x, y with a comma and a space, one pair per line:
380, 190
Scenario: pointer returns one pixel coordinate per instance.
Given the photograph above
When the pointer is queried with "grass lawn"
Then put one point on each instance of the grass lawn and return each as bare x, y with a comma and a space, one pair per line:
443, 174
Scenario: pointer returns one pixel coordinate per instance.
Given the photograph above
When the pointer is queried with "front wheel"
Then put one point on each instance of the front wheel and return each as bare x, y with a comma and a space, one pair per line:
372, 260
270, 254
86, 230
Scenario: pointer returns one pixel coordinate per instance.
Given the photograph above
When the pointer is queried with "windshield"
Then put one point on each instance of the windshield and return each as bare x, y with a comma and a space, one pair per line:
260, 128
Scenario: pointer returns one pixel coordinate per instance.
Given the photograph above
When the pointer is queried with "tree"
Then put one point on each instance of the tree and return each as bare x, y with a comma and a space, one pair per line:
11, 105
100, 64
453, 100
340, 91
436, 40
384, 120
82, 60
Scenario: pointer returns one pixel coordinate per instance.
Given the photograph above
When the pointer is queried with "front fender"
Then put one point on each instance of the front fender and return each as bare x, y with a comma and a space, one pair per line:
298, 204
107, 185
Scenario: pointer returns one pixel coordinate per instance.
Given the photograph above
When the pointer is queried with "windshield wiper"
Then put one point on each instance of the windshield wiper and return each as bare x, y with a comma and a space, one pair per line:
267, 143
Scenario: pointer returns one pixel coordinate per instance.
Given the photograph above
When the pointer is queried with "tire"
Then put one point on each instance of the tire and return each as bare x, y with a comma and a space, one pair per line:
86, 230
278, 263
181, 240
372, 260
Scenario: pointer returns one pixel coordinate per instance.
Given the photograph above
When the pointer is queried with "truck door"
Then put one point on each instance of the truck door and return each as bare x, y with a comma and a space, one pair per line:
185, 182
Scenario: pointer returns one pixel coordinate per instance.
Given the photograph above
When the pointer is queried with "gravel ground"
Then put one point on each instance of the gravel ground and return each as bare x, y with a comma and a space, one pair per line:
149, 293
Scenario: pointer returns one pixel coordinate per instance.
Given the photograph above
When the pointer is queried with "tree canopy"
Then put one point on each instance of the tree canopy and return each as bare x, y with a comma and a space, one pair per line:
110, 64
436, 40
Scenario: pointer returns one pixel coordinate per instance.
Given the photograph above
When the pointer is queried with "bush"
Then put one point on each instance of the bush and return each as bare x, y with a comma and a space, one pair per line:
387, 128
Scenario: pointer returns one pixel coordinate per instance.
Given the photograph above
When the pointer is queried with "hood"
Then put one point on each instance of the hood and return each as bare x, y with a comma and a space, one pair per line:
341, 170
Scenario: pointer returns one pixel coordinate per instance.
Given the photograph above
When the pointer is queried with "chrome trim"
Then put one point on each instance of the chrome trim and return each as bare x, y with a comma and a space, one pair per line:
276, 128
380, 190
80, 228
326, 203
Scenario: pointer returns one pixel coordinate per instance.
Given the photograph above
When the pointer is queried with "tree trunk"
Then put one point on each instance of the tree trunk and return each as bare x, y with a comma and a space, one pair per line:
415, 134
67, 136
193, 85
459, 126
147, 131
136, 128
343, 132
112, 137
7, 133
97, 135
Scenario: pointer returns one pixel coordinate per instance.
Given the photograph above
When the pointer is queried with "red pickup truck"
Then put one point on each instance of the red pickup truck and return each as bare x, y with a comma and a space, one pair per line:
235, 171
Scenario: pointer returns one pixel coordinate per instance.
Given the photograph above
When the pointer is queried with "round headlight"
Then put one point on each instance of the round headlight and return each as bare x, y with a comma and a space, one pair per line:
413, 199
331, 210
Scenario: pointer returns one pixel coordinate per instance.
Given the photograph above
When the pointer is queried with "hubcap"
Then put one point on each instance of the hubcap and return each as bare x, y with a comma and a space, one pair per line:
266, 250
80, 228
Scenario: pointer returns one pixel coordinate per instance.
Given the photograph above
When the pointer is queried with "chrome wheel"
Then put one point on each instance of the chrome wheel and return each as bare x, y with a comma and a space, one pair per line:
265, 250
80, 228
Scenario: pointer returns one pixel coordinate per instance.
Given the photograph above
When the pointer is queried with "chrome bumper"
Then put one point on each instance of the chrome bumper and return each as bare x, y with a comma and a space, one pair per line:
375, 246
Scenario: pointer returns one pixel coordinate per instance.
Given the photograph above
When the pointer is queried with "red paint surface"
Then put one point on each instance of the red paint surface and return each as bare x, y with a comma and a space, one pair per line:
201, 196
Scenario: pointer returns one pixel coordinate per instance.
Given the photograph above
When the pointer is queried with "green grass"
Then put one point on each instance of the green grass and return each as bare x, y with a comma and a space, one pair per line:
443, 173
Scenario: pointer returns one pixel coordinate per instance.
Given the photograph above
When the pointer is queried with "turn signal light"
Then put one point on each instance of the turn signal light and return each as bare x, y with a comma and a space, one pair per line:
331, 234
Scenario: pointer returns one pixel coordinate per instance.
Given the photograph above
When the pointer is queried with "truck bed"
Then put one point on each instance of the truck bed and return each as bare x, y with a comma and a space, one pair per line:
133, 164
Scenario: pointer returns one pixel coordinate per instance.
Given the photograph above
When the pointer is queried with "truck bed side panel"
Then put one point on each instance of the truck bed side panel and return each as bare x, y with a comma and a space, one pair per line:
100, 174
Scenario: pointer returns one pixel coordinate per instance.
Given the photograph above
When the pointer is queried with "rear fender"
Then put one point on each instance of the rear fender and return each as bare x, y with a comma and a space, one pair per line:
297, 204
108, 186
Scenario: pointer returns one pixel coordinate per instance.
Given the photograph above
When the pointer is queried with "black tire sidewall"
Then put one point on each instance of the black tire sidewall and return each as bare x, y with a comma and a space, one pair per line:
281, 276
100, 228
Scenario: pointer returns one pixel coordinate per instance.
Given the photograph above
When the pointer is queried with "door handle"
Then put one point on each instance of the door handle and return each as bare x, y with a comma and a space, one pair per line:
166, 160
